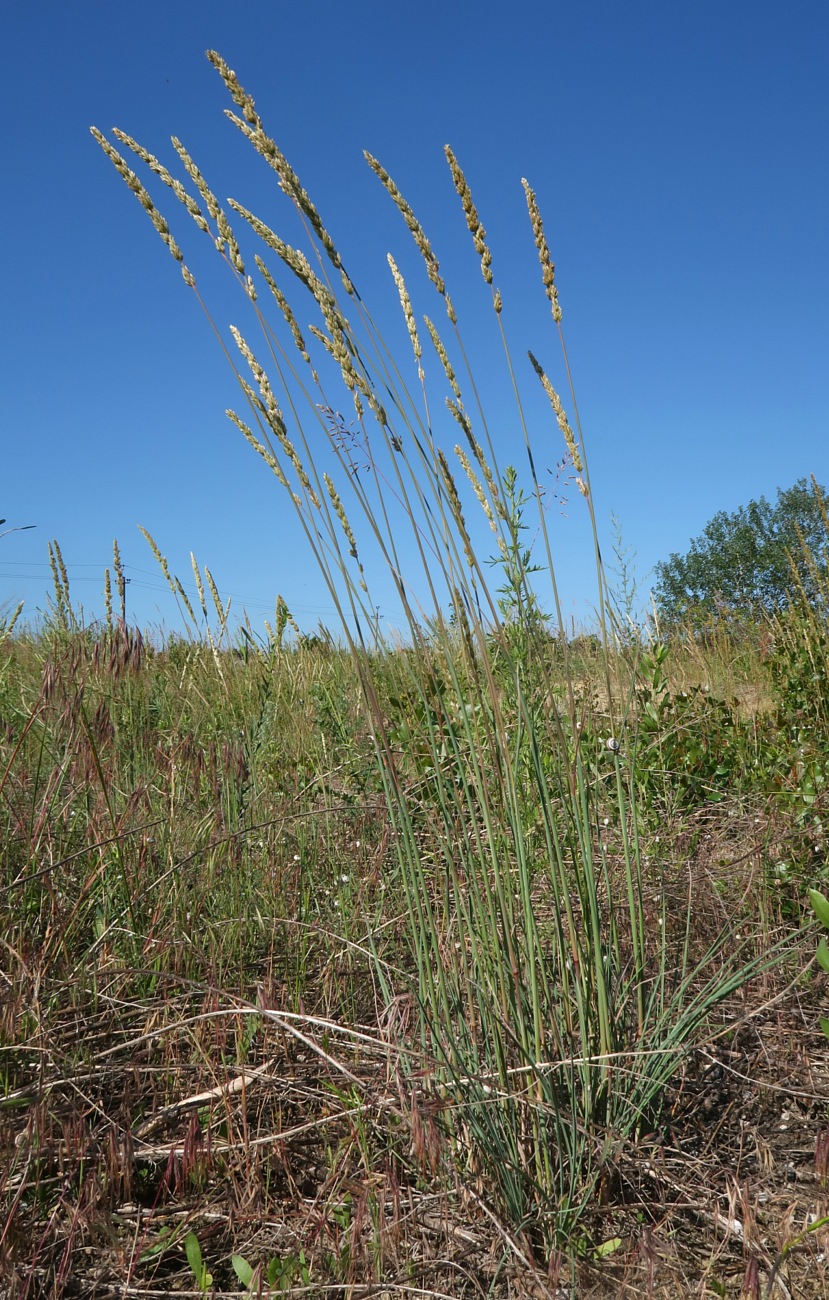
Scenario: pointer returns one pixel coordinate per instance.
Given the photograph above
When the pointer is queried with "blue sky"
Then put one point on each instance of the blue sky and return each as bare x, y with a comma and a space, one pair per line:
679, 154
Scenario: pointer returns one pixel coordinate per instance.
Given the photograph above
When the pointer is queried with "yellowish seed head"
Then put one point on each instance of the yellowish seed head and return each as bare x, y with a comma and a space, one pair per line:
140, 193
548, 270
406, 304
432, 266
561, 417
251, 125
473, 221
437, 343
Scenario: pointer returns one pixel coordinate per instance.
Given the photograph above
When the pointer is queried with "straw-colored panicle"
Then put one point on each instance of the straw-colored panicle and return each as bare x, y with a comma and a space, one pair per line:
108, 598
489, 478
253, 397
120, 579
548, 270
8, 624
334, 345
356, 383
185, 599
265, 452
60, 594
199, 584
478, 489
285, 308
455, 506
226, 237
274, 415
160, 559
406, 304
418, 234
323, 338
63, 574
378, 410
173, 583
250, 124
561, 417
284, 618
437, 343
172, 182
301, 267
339, 510
473, 222
221, 611
130, 178
338, 341
267, 403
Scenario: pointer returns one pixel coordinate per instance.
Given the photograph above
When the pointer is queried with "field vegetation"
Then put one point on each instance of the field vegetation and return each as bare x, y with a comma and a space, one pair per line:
476, 961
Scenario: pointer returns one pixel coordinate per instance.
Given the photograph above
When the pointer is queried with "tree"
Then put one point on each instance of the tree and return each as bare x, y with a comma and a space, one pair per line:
742, 562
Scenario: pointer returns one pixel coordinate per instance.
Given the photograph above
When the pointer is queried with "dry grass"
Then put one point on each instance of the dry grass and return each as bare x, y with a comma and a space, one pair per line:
224, 1063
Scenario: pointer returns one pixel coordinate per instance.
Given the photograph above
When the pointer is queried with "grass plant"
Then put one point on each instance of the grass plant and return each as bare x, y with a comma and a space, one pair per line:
400, 933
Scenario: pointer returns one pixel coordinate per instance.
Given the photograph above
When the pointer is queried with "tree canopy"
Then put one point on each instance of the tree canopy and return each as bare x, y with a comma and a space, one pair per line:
742, 561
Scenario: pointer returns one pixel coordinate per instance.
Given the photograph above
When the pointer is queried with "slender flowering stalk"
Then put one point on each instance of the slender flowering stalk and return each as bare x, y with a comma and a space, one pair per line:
130, 178
418, 234
254, 400
437, 343
285, 308
462, 419
172, 182
336, 323
199, 584
185, 600
284, 618
120, 579
160, 559
214, 595
259, 447
406, 304
274, 415
474, 224
326, 342
108, 598
548, 270
478, 489
292, 257
341, 515
473, 221
251, 126
225, 236
455, 506
339, 510
560, 414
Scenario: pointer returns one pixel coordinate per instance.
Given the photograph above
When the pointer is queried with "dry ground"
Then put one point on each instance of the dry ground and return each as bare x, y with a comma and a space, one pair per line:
269, 1132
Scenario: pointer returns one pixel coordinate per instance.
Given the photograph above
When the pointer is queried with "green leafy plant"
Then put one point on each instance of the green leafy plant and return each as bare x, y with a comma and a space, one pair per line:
279, 1274
690, 748
192, 1249
820, 907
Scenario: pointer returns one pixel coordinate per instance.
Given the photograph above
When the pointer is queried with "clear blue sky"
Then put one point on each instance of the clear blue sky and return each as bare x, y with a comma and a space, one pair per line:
680, 153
